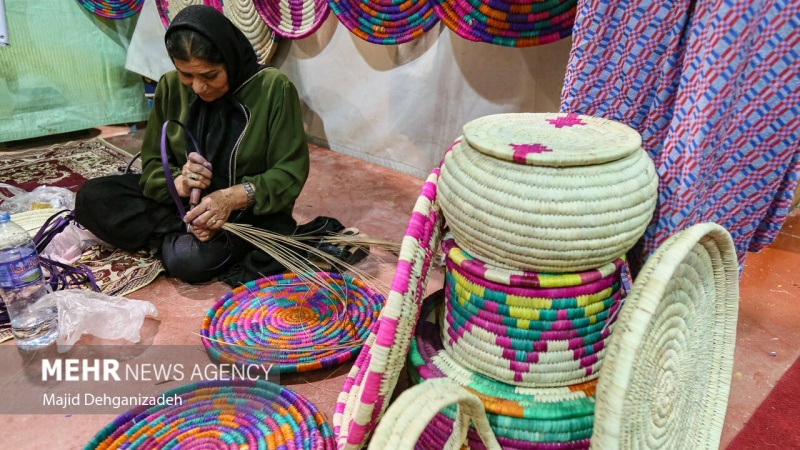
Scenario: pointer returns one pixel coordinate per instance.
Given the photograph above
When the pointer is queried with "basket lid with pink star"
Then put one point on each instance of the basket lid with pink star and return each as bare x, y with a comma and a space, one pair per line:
552, 139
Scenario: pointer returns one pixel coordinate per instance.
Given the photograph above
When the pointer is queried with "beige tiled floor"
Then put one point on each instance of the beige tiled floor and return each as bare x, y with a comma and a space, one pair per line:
379, 202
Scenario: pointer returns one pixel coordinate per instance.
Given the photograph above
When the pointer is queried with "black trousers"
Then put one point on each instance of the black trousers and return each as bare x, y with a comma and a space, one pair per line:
116, 211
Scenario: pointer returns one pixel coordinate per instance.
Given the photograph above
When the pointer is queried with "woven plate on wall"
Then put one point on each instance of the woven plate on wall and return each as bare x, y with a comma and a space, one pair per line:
113, 9
292, 19
386, 22
579, 210
667, 374
244, 15
511, 23
168, 9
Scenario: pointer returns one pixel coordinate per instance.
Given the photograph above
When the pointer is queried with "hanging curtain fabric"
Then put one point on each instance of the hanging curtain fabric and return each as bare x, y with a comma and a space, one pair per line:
113, 9
293, 19
512, 23
713, 86
167, 9
386, 22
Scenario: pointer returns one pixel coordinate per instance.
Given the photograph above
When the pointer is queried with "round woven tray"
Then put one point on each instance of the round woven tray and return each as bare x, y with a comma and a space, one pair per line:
221, 414
113, 9
33, 220
386, 22
292, 19
512, 23
374, 375
555, 416
292, 324
667, 372
246, 18
168, 9
546, 219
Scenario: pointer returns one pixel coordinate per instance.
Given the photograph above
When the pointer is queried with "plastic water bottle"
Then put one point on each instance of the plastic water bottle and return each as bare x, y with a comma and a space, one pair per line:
34, 319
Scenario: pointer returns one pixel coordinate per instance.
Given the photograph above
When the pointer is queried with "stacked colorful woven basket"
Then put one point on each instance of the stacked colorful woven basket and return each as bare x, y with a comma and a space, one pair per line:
542, 209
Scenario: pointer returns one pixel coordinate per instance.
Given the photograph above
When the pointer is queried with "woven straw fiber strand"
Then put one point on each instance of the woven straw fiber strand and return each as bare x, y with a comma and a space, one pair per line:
413, 410
244, 15
521, 23
113, 9
240, 414
373, 378
271, 320
546, 219
667, 374
168, 9
386, 22
520, 417
292, 19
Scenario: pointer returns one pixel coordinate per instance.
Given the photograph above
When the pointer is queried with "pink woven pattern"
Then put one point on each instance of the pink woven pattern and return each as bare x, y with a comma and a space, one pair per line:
168, 8
375, 373
292, 19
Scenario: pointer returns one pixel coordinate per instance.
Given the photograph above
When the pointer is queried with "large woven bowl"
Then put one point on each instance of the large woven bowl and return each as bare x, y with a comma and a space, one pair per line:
667, 373
547, 193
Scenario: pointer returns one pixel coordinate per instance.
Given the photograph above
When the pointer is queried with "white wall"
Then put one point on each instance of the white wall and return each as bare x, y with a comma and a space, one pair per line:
401, 106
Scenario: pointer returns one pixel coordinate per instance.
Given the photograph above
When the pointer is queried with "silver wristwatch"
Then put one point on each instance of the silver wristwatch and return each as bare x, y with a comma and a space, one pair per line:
251, 193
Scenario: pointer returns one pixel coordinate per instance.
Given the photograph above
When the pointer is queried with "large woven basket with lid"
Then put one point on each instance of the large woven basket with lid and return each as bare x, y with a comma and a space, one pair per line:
547, 192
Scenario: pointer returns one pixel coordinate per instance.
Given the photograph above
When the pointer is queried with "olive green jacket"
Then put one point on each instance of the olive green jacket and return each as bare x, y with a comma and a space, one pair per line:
271, 153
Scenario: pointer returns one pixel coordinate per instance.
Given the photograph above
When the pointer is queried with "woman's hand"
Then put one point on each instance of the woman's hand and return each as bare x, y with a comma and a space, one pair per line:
214, 209
196, 174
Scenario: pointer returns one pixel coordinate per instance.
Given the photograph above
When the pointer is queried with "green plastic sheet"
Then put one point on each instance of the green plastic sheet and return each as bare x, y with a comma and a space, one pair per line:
63, 70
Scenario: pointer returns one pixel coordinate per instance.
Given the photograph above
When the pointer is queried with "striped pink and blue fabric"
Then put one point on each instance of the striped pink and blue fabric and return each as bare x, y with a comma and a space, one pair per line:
713, 86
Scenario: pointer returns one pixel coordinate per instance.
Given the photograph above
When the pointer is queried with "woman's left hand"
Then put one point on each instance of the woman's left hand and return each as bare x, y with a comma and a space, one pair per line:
210, 214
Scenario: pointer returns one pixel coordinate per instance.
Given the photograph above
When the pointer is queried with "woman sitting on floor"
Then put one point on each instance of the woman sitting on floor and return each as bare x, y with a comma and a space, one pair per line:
253, 163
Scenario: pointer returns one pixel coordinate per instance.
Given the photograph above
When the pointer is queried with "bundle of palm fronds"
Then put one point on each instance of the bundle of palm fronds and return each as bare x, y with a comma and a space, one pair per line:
303, 259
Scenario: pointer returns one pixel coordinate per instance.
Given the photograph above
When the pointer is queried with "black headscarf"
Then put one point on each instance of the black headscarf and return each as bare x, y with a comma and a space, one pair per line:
217, 125
237, 51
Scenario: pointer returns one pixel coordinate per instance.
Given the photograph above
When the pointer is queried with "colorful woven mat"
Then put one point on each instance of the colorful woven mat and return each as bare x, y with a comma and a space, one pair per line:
513, 23
293, 19
526, 418
217, 414
113, 9
291, 323
246, 18
386, 22
168, 9
374, 376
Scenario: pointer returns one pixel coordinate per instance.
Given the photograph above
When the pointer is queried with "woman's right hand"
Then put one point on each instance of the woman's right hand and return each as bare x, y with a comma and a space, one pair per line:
196, 174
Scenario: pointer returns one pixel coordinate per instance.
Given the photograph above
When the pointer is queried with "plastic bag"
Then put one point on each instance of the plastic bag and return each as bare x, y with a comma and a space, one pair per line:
40, 198
105, 316
68, 245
